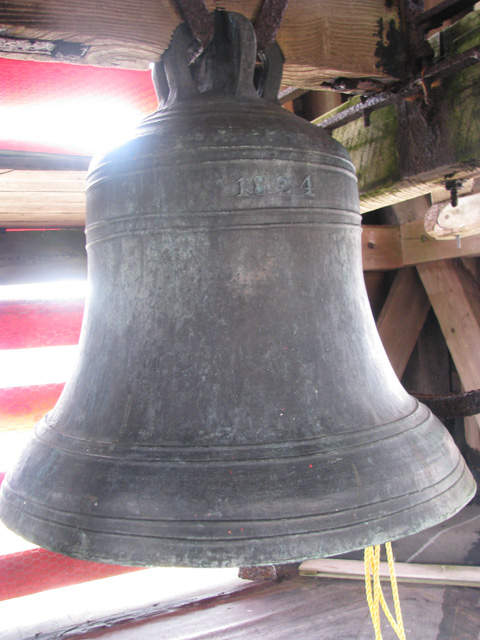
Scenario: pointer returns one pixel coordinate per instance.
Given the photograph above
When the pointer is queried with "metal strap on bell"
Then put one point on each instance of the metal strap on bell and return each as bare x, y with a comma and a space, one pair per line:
232, 403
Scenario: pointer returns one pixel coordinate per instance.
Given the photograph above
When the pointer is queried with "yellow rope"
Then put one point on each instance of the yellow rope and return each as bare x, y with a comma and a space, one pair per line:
375, 597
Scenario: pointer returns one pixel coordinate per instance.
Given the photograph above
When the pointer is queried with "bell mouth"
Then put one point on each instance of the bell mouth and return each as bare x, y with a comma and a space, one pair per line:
171, 515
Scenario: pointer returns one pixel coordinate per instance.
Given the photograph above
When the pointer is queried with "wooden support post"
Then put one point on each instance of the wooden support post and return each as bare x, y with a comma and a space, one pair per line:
455, 298
402, 318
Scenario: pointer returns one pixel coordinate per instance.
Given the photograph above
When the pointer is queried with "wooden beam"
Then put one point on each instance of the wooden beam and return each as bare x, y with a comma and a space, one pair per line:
418, 247
399, 330
411, 147
316, 40
405, 572
42, 199
381, 248
455, 298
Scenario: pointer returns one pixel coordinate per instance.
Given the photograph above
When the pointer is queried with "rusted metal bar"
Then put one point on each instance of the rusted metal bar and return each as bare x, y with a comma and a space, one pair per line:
452, 405
196, 15
268, 21
401, 92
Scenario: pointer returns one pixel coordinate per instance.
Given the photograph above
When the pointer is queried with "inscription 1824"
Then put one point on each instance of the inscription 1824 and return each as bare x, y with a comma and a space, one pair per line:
261, 186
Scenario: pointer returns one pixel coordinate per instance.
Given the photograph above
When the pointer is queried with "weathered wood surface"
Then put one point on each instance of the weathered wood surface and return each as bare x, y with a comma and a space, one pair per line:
42, 199
402, 318
410, 148
310, 609
317, 42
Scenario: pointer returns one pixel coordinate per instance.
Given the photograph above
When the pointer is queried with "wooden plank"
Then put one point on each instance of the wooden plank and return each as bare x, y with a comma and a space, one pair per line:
398, 330
40, 256
119, 35
418, 247
25, 201
410, 148
36, 161
413, 573
455, 298
299, 608
381, 248
18, 181
42, 199
51, 218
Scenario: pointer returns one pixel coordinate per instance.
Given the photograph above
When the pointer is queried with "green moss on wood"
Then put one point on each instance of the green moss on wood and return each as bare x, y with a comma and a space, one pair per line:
373, 149
461, 93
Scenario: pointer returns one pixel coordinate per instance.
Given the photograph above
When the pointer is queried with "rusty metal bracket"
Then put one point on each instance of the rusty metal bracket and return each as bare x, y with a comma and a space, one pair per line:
201, 23
268, 21
199, 19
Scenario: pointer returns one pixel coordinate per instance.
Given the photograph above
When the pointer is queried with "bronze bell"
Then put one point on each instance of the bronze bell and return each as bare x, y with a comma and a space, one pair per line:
232, 403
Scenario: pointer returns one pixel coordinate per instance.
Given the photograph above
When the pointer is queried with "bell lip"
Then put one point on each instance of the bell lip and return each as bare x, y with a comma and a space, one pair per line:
291, 547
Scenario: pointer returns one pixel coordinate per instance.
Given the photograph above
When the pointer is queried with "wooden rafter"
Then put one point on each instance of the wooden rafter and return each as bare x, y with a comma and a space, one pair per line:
316, 39
455, 298
398, 330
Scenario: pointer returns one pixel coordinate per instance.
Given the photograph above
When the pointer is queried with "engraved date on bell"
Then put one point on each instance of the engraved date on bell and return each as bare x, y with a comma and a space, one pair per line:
262, 186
